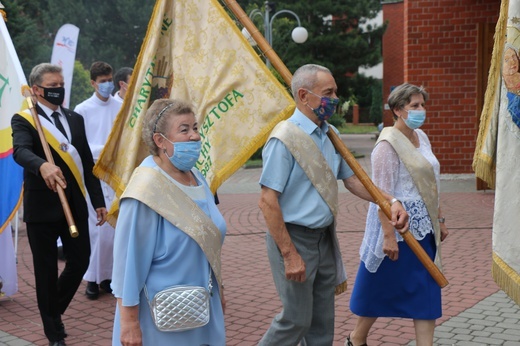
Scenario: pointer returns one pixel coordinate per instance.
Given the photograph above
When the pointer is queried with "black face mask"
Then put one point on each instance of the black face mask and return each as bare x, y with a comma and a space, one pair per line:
54, 95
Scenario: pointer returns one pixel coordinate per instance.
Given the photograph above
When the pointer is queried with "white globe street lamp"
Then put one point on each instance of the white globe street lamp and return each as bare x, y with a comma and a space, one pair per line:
299, 34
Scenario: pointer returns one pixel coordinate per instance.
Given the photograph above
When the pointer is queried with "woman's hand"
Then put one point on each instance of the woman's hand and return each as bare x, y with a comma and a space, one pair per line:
390, 247
223, 300
399, 216
444, 231
131, 334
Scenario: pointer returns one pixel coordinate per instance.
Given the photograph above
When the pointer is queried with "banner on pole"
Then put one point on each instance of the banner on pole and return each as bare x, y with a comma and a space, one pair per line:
64, 55
11, 81
497, 154
194, 51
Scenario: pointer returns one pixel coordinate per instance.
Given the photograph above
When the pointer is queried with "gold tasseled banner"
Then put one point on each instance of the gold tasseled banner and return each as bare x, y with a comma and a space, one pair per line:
341, 288
485, 150
506, 277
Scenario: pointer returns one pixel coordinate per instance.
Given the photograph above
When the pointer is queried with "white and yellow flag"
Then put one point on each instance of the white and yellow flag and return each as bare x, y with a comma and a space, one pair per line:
497, 154
194, 51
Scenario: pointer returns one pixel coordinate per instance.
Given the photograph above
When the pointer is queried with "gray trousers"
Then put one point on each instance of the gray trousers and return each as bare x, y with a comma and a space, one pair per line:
308, 307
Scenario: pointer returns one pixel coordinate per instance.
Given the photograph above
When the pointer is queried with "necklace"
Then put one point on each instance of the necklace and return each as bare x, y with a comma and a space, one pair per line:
189, 181
414, 139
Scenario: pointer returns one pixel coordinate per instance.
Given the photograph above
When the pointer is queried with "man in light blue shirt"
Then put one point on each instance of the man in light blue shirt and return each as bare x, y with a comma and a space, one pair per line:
301, 241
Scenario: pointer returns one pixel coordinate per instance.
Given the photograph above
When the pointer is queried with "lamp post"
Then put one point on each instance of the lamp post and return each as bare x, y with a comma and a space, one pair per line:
299, 34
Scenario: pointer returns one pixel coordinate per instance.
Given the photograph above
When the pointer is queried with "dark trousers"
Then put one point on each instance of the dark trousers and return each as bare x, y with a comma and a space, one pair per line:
54, 293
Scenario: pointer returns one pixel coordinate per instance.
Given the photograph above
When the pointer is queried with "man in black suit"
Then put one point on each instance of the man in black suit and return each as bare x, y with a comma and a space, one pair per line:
43, 212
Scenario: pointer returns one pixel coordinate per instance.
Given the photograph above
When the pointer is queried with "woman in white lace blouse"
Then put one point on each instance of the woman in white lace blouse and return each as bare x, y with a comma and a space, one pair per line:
391, 282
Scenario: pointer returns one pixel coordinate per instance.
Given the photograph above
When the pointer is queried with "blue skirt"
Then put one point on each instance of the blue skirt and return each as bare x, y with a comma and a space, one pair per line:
403, 288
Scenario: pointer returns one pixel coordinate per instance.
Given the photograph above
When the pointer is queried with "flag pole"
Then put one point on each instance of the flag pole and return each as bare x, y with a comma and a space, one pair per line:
16, 225
278, 64
262, 43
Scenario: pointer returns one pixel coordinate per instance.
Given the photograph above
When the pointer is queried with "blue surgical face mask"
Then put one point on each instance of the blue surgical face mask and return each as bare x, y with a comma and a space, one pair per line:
105, 89
415, 118
185, 154
327, 107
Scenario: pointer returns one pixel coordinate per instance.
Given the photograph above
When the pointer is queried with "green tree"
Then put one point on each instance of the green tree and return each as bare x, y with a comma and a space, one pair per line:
81, 87
25, 28
376, 109
336, 40
111, 31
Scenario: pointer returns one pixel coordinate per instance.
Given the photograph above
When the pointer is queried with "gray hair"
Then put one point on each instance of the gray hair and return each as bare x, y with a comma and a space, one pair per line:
36, 76
157, 119
305, 77
402, 95
509, 45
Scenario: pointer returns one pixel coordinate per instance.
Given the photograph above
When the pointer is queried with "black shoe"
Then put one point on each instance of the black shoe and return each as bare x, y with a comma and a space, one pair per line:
105, 286
349, 343
92, 290
57, 343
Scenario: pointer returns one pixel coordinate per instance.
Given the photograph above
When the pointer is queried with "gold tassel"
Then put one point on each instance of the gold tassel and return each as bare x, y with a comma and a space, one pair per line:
341, 288
484, 163
506, 277
485, 169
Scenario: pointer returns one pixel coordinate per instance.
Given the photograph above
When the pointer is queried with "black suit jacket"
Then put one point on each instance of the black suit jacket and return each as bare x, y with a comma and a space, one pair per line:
40, 203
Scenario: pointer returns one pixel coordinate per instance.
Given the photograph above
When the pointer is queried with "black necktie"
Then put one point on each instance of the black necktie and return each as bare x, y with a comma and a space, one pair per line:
58, 123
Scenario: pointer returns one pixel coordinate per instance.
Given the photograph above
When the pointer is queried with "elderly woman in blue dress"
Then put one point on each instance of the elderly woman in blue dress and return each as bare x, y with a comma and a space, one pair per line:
391, 282
169, 232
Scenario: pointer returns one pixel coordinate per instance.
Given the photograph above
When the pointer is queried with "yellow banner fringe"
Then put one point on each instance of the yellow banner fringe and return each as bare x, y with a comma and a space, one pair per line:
506, 277
484, 162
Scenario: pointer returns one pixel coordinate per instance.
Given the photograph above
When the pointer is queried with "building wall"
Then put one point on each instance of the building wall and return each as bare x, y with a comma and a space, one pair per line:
441, 52
393, 52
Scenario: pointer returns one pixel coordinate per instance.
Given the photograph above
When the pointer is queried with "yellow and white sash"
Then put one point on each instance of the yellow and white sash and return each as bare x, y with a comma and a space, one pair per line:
423, 176
61, 146
175, 206
311, 160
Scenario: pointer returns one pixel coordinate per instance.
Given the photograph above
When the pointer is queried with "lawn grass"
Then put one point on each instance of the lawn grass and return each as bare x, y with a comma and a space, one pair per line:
345, 129
349, 129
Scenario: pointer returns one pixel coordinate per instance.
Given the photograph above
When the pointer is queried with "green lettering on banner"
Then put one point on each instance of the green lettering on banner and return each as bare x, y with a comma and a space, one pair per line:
225, 105
166, 23
205, 166
204, 150
236, 94
214, 113
2, 88
143, 95
207, 124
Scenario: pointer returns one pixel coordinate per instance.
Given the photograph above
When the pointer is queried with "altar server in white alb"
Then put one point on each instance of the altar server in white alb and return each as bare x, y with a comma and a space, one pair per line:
99, 112
121, 82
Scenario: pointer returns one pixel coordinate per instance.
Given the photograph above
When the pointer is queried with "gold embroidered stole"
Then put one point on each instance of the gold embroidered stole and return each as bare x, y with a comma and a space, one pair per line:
147, 185
311, 160
61, 146
422, 175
